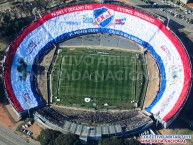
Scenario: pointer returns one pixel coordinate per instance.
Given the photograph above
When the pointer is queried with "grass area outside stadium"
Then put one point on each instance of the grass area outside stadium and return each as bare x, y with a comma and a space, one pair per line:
113, 77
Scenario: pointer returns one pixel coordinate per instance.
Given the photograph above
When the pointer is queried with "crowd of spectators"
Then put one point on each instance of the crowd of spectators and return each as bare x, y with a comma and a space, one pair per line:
134, 122
53, 116
127, 119
101, 117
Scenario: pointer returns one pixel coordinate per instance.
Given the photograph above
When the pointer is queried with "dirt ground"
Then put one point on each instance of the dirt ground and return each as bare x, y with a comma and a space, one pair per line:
5, 118
36, 129
154, 80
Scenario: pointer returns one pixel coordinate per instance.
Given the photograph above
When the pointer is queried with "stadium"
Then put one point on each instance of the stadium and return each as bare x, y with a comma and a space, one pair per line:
98, 66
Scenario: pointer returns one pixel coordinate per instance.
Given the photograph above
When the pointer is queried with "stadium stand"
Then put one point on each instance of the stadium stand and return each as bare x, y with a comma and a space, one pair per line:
79, 129
40, 36
92, 133
118, 123
52, 115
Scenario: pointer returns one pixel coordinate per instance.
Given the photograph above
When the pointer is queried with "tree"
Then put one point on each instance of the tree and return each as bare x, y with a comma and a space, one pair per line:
51, 137
47, 136
112, 141
67, 139
92, 142
132, 142
13, 26
118, 141
6, 18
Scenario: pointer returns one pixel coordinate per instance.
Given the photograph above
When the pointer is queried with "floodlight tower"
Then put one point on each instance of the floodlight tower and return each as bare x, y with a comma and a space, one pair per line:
168, 20
28, 107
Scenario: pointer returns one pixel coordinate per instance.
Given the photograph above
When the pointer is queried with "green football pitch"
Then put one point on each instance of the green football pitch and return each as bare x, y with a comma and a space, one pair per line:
107, 78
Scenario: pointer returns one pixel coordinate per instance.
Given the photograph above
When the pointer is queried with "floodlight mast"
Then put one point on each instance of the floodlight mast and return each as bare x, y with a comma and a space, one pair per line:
168, 20
28, 108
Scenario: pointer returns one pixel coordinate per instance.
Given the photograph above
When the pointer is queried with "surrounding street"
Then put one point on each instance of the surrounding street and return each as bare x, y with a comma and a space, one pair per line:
148, 8
8, 137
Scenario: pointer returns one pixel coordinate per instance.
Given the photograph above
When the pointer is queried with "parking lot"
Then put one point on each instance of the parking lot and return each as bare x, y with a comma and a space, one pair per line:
176, 11
168, 10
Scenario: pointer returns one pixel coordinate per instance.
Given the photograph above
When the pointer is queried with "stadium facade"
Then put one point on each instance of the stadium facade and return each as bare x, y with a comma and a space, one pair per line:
69, 22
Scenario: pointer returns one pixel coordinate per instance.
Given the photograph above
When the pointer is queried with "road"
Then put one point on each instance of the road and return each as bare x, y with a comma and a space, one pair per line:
8, 137
5, 6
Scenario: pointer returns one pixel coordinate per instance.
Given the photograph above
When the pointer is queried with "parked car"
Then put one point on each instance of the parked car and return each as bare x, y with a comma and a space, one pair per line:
26, 126
23, 126
29, 133
29, 123
189, 11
